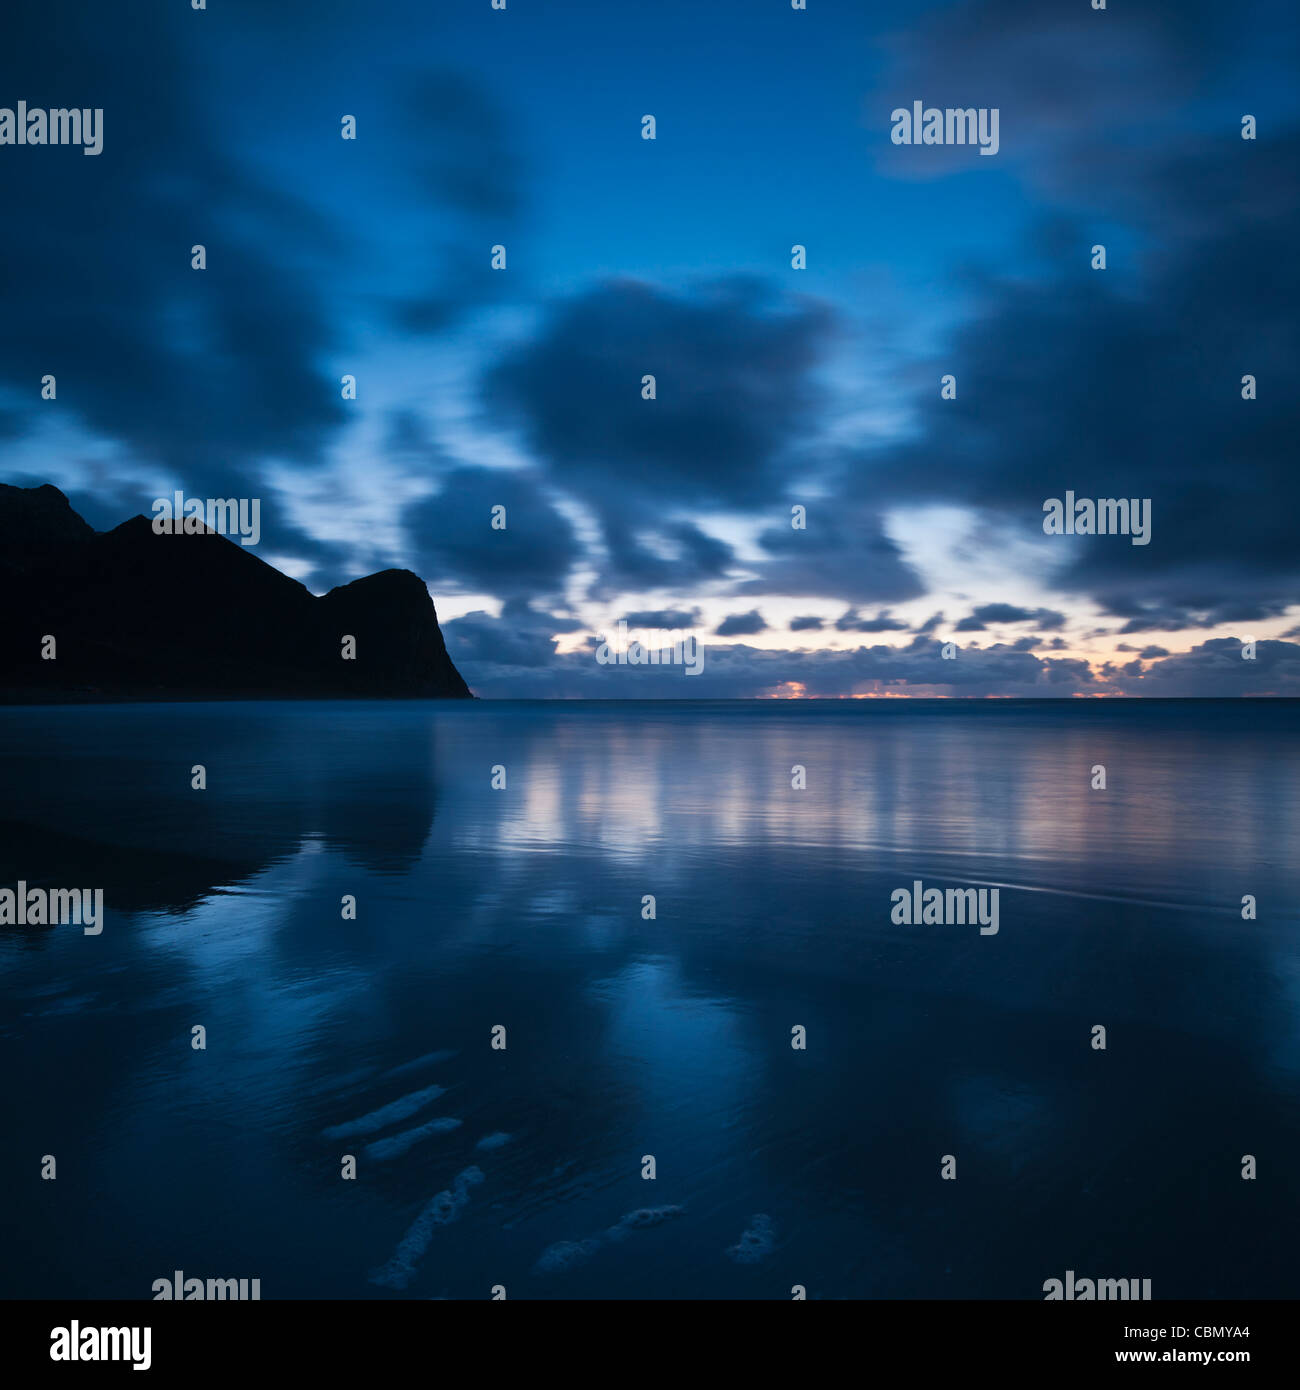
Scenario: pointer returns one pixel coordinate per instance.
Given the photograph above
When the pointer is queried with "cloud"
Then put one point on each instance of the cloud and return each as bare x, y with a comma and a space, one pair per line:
468, 182
844, 554
1195, 610
734, 390
1043, 354
204, 372
742, 624
1066, 79
852, 621
740, 671
519, 642
225, 378
663, 619
1216, 669
452, 533
1070, 378
1046, 619
639, 552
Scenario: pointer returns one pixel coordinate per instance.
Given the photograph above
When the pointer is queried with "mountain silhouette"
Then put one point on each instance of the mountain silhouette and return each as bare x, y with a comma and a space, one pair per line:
134, 614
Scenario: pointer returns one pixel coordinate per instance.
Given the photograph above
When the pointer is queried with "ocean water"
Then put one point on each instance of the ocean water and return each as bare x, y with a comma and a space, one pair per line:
669, 1037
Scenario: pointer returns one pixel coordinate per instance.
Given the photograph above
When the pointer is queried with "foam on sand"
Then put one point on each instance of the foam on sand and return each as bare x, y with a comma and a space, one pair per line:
398, 1144
418, 1063
565, 1254
641, 1220
442, 1210
401, 1109
755, 1241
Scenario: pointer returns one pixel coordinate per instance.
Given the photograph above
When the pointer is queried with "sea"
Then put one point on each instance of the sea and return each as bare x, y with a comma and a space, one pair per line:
612, 1000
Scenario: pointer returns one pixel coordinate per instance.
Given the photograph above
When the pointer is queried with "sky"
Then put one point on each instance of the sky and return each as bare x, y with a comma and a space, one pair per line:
922, 567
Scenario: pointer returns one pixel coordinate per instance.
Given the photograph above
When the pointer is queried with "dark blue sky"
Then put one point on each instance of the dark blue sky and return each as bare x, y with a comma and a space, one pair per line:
775, 386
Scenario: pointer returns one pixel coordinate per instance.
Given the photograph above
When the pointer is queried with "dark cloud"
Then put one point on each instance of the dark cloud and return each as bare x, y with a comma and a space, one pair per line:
522, 639
733, 367
809, 624
204, 372
1045, 619
1066, 79
735, 400
741, 671
844, 554
742, 624
647, 552
1196, 610
1036, 365
457, 546
210, 376
1216, 669
1094, 381
665, 619
496, 654
469, 180
853, 621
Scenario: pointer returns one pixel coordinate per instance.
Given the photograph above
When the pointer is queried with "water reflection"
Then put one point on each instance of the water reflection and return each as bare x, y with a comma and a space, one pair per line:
667, 1035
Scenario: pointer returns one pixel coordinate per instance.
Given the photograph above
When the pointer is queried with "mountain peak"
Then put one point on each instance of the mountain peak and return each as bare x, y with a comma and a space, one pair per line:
134, 614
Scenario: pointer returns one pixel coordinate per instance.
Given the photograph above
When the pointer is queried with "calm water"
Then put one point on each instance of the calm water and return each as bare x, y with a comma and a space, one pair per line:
668, 1037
